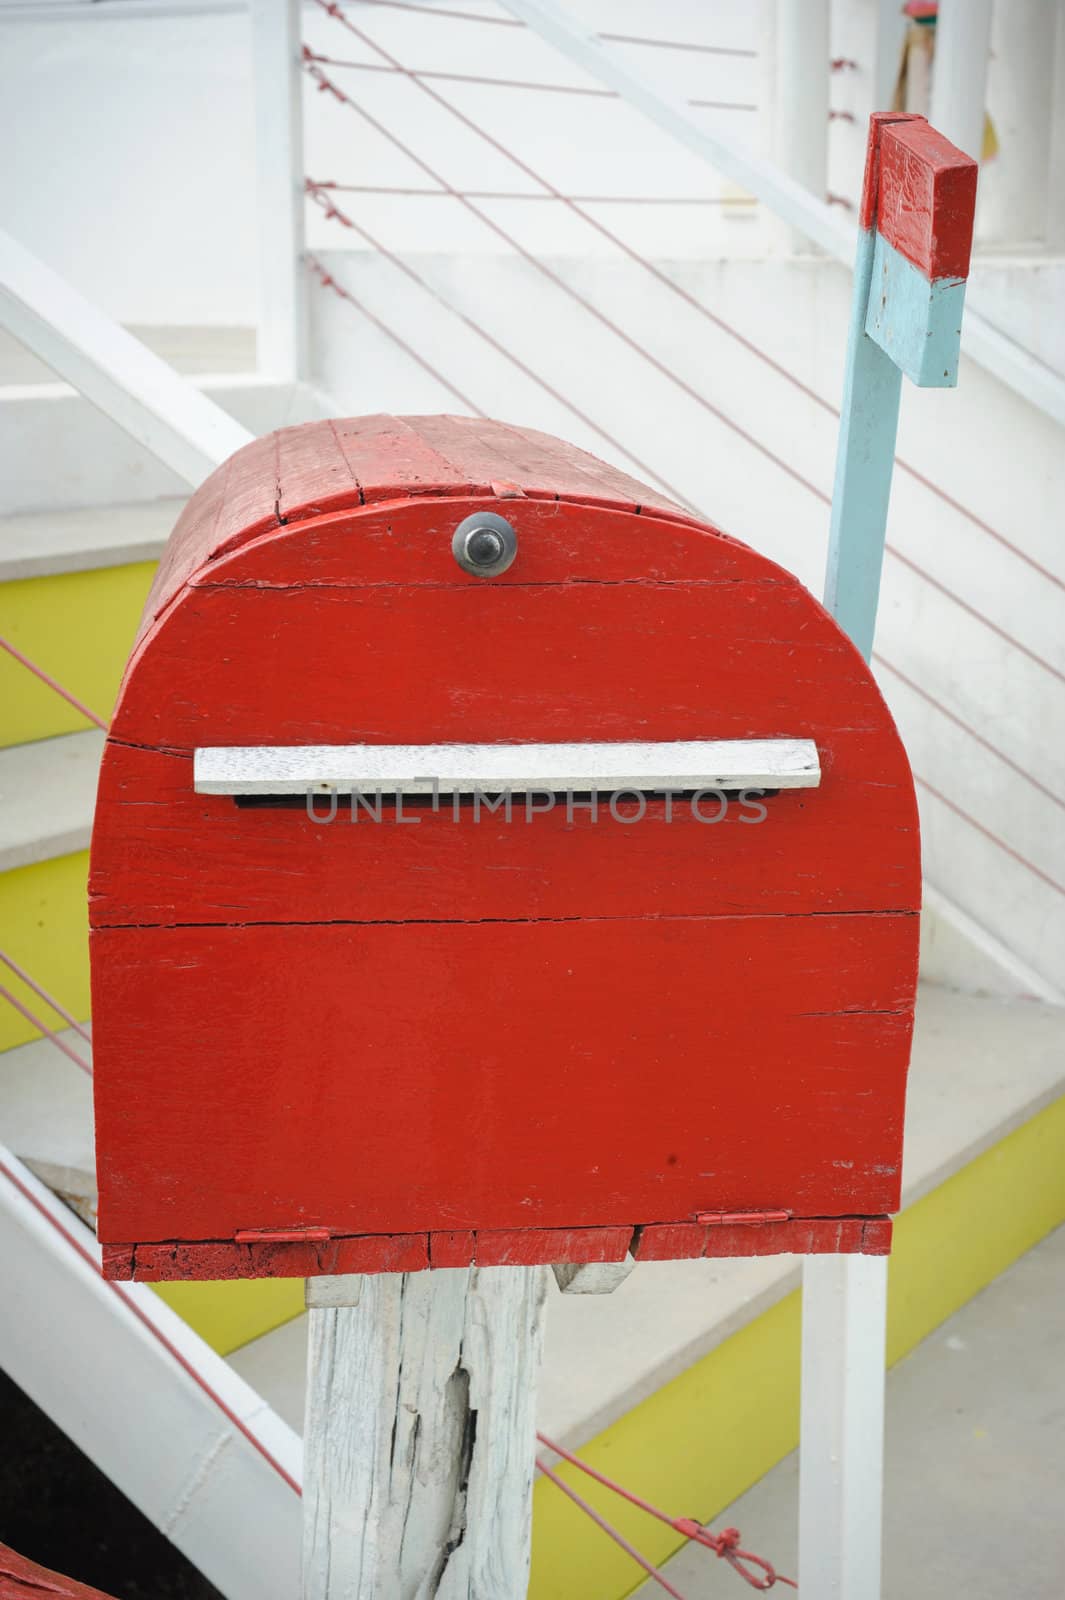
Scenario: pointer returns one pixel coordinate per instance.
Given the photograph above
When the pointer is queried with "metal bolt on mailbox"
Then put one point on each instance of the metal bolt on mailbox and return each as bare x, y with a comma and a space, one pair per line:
605, 943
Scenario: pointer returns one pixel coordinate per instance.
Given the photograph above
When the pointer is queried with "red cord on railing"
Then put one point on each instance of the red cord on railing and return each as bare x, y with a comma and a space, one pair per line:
130, 1302
725, 1545
23, 1010
39, 672
581, 89
42, 994
327, 281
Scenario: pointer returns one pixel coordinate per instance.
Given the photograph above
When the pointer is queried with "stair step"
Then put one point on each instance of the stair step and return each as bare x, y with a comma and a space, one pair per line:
46, 1115
47, 795
35, 544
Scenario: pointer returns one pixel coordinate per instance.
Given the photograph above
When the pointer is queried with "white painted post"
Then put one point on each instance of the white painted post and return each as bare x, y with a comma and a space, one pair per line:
795, 74
844, 1300
796, 45
890, 32
1014, 190
1055, 221
419, 1443
844, 1306
959, 72
277, 74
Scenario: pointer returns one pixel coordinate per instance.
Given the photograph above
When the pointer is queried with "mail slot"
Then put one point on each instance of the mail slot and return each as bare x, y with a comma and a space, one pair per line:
493, 862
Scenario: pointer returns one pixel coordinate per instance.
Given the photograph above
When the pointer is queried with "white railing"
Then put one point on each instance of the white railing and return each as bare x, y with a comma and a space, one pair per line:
128, 382
786, 198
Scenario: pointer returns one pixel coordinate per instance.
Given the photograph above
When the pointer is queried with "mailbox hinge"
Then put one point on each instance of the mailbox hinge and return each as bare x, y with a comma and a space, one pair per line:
717, 1219
283, 1235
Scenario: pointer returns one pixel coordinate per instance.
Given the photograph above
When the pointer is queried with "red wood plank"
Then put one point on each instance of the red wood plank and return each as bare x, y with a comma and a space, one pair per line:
409, 544
171, 856
226, 1258
534, 1247
514, 657
919, 191
484, 1075
22, 1579
871, 178
800, 1236
927, 199
524, 1247
235, 504
453, 1247
300, 472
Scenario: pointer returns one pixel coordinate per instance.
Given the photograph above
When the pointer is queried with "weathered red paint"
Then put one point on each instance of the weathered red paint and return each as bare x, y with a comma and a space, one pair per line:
22, 1579
871, 177
927, 199
375, 1047
919, 191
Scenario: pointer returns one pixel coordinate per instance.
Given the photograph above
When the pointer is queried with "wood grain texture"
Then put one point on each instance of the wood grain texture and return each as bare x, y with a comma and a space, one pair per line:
515, 1041
927, 199
21, 1579
605, 1251
420, 1437
481, 1075
919, 192
298, 473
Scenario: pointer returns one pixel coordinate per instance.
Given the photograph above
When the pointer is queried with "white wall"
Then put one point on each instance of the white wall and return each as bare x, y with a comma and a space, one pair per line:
129, 152
127, 158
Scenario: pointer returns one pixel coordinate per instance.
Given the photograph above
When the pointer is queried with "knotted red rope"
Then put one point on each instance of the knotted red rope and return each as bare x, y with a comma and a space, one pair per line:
725, 1545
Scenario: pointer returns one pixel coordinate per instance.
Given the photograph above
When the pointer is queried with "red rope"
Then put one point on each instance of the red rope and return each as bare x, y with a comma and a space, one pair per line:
327, 281
973, 733
516, 83
524, 194
515, 22
609, 1529
690, 299
725, 1545
987, 833
171, 1349
48, 999
59, 1043
39, 672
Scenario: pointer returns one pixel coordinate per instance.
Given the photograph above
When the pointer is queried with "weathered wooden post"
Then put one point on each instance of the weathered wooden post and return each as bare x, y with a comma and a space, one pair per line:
915, 237
479, 885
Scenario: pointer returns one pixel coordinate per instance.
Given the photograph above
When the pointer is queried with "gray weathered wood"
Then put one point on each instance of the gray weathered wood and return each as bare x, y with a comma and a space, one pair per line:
490, 768
591, 1277
420, 1436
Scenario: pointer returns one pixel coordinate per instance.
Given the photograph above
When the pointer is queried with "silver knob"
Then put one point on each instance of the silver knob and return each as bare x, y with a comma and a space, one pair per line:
484, 544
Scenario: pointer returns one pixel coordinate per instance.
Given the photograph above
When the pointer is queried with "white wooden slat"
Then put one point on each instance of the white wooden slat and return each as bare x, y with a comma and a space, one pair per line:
278, 83
841, 1443
106, 1363
134, 387
490, 768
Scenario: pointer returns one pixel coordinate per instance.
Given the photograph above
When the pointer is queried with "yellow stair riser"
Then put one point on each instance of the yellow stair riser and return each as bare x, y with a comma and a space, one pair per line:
45, 921
44, 918
700, 1441
79, 627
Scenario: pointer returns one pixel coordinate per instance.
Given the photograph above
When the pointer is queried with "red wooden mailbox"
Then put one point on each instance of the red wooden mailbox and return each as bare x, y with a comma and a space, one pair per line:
483, 1005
